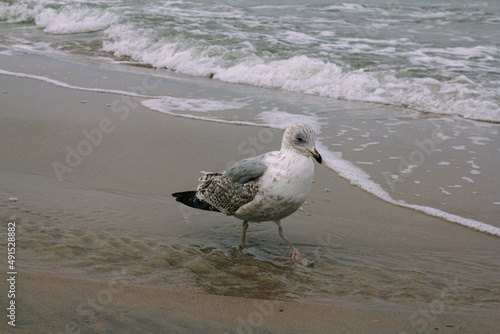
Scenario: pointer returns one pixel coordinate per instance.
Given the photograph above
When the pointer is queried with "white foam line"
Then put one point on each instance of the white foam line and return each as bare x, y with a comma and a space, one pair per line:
65, 85
359, 178
150, 106
120, 92
471, 223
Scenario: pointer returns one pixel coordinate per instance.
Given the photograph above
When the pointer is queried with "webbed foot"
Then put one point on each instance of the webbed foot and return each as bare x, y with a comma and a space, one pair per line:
300, 259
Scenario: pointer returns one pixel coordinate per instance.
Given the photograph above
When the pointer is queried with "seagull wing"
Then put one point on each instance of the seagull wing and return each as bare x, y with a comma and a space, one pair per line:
234, 188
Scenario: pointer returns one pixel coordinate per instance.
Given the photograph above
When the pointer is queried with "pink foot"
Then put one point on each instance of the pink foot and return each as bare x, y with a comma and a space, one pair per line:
302, 260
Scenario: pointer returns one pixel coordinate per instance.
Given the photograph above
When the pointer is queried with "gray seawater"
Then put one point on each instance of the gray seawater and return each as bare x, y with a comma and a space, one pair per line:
437, 57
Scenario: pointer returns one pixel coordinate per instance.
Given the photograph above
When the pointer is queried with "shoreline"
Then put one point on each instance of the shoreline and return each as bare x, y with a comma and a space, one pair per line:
413, 179
113, 211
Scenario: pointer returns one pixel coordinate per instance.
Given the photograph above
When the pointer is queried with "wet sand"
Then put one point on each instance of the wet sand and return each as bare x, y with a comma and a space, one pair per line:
83, 219
49, 304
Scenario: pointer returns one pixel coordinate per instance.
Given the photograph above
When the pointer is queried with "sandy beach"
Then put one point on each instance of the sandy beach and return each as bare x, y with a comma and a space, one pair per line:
103, 248
51, 304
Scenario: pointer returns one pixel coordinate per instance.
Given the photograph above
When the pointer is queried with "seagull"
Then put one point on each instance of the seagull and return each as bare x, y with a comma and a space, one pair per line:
268, 187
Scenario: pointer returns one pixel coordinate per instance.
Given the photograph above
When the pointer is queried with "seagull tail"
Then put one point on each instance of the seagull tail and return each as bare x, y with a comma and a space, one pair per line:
189, 198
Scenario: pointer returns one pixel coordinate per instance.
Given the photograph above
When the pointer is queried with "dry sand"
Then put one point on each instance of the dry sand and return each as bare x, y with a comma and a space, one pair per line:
151, 154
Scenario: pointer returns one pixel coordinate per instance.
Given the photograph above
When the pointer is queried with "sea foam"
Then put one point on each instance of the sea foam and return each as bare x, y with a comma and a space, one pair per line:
69, 19
311, 51
361, 179
303, 74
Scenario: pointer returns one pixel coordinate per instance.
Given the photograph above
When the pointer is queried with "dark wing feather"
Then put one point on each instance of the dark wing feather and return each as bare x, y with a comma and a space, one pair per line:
189, 198
238, 186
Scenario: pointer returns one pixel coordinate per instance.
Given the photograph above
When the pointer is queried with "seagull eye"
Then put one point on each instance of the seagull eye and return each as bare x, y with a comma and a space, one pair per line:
300, 139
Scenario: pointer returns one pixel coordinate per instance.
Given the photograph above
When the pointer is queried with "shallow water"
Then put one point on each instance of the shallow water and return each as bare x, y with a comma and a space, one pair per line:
426, 68
94, 240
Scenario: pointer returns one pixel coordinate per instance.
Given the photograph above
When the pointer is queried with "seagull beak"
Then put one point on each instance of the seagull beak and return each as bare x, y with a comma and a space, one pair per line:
315, 155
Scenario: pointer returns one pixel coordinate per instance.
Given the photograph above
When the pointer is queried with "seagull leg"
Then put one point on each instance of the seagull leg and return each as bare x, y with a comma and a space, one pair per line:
243, 234
295, 253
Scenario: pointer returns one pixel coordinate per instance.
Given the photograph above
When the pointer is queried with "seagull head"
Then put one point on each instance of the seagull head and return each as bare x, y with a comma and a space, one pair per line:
301, 138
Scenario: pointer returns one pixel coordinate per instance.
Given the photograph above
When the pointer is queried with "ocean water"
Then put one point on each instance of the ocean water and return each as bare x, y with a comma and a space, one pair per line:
405, 98
435, 57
